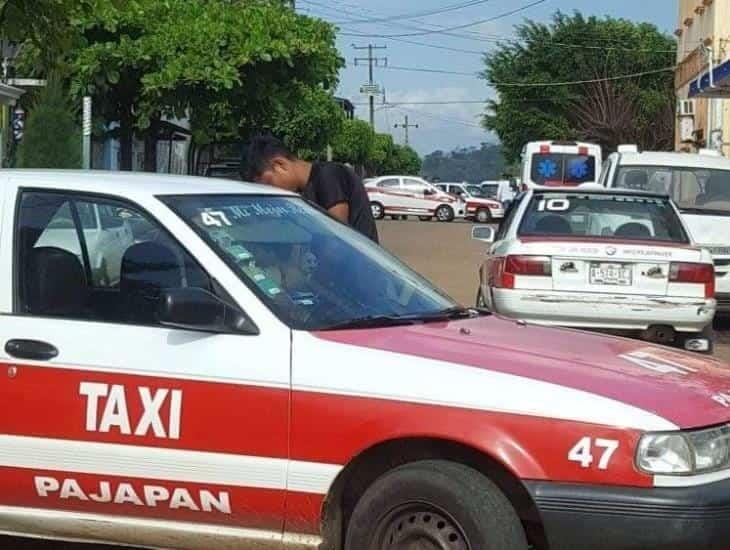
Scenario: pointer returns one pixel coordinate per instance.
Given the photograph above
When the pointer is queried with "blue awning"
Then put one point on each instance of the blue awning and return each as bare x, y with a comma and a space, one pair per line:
701, 86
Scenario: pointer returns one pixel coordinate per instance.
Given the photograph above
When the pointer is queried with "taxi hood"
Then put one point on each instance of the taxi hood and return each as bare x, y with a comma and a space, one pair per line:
686, 389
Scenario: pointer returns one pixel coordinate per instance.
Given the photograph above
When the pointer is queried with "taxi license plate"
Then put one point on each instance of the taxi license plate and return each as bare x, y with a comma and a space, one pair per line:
610, 274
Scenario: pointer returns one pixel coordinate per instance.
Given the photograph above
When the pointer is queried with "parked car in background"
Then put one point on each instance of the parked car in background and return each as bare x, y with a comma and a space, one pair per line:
226, 170
503, 190
106, 233
560, 163
408, 195
619, 261
476, 206
700, 186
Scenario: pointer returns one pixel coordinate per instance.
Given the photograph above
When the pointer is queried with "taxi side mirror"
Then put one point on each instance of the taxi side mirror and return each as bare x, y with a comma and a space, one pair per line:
197, 309
483, 233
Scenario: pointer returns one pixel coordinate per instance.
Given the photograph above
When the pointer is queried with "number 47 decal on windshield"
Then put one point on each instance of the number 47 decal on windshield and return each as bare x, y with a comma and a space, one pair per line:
584, 450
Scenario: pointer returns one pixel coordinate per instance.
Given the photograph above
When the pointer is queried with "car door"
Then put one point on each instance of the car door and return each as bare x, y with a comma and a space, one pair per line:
107, 413
418, 199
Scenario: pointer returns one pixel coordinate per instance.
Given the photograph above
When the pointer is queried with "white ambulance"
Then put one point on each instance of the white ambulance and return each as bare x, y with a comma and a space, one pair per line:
560, 164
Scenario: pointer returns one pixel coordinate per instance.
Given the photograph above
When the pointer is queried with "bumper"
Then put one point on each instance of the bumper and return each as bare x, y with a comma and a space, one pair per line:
497, 214
618, 518
604, 311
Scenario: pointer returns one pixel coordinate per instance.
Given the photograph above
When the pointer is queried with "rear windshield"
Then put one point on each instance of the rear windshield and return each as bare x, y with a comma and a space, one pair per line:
696, 189
554, 169
611, 217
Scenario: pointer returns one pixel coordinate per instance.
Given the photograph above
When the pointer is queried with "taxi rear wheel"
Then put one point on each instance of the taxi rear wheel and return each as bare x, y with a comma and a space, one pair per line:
484, 215
434, 505
481, 302
378, 211
444, 213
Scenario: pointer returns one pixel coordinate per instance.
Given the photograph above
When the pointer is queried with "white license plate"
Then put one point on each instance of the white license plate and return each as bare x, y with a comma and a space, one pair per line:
610, 274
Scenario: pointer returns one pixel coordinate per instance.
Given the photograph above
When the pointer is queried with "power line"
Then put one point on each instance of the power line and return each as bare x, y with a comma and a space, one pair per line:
426, 70
573, 82
446, 30
445, 9
480, 37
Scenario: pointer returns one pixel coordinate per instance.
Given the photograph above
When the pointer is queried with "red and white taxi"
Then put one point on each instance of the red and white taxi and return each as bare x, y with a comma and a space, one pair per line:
477, 205
407, 195
617, 260
260, 376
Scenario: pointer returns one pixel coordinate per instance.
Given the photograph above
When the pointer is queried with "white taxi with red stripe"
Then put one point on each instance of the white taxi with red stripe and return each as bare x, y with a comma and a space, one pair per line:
408, 195
478, 206
621, 261
257, 375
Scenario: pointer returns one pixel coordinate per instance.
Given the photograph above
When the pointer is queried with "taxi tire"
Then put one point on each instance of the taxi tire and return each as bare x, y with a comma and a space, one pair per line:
444, 213
480, 301
377, 210
463, 501
483, 215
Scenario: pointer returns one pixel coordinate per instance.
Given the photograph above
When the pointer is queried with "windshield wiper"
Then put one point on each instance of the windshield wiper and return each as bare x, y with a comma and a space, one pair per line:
371, 321
375, 321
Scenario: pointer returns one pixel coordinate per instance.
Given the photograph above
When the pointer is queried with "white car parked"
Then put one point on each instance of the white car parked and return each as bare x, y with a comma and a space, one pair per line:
619, 261
407, 195
699, 184
477, 206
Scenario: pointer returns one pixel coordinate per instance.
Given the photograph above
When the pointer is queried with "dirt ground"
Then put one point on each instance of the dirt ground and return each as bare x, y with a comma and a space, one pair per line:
445, 254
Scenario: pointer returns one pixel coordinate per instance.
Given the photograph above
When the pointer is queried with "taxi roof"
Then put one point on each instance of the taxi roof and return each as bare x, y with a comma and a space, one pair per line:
689, 160
128, 184
596, 189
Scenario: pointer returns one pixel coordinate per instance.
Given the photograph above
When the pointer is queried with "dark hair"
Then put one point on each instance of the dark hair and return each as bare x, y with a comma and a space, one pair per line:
261, 150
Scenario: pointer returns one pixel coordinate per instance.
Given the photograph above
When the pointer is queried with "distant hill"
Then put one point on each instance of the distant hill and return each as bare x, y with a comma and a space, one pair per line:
472, 164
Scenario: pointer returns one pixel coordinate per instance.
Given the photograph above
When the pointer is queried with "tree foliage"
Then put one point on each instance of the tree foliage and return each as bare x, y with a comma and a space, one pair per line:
470, 164
51, 138
233, 67
575, 48
354, 143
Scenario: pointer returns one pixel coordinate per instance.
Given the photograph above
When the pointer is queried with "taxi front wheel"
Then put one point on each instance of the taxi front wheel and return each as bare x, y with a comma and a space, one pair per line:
434, 504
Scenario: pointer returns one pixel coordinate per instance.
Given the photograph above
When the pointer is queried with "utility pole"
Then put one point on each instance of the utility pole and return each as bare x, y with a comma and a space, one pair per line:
406, 126
371, 89
86, 132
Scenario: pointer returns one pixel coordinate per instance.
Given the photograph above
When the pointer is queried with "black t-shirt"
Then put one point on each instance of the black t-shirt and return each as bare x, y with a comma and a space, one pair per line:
331, 184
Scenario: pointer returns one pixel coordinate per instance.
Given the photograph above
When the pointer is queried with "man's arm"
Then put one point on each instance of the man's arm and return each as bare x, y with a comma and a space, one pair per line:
340, 211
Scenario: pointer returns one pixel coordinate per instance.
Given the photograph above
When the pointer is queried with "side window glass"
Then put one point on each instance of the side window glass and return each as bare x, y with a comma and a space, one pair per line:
392, 182
414, 185
508, 218
93, 259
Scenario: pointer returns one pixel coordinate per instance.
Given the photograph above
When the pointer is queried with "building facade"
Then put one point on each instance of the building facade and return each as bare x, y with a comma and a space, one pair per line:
702, 77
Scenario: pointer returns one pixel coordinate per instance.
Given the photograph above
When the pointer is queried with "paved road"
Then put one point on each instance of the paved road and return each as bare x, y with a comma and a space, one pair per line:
446, 255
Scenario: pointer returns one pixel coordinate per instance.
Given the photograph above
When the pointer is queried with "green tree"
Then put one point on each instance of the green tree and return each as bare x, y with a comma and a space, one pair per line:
52, 138
575, 48
472, 164
354, 143
404, 161
234, 67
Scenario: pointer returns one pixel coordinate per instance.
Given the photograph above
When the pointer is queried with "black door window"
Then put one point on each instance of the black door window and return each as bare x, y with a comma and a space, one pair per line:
95, 259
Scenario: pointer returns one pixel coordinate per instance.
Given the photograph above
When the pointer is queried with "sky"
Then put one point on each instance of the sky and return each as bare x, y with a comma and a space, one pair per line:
444, 126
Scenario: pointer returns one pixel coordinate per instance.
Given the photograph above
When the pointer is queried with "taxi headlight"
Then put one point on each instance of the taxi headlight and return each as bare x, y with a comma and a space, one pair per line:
684, 452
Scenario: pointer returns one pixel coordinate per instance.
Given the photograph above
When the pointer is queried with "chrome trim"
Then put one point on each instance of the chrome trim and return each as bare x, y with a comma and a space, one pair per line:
142, 532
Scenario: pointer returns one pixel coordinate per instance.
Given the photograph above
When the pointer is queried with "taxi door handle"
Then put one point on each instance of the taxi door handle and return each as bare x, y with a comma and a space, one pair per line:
31, 349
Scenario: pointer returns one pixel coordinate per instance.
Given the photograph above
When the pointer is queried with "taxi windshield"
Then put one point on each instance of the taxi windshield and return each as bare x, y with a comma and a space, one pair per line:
700, 190
603, 216
313, 272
